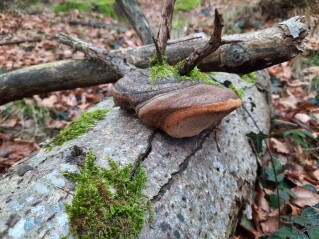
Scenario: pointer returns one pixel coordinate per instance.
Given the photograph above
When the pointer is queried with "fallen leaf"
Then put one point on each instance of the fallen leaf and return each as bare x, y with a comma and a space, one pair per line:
270, 226
304, 197
304, 118
260, 207
279, 146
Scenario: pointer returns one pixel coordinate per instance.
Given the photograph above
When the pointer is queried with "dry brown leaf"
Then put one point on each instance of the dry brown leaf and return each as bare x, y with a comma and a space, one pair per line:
270, 226
260, 207
281, 147
304, 118
56, 124
50, 101
304, 197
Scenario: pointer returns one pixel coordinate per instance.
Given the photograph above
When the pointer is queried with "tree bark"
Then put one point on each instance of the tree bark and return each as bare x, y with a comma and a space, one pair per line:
258, 50
196, 188
137, 19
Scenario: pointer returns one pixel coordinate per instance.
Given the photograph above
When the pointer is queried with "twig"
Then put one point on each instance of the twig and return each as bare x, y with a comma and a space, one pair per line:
158, 51
212, 45
91, 23
117, 64
224, 42
19, 42
166, 25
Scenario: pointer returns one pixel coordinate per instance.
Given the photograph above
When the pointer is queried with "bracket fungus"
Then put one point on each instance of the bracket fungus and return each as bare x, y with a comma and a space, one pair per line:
179, 108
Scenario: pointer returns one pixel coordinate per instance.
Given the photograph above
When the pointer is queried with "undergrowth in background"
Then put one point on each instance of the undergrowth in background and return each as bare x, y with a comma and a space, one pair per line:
282, 193
185, 5
102, 6
29, 114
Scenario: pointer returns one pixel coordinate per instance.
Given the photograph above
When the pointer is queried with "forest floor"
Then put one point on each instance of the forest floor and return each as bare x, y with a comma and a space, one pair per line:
294, 139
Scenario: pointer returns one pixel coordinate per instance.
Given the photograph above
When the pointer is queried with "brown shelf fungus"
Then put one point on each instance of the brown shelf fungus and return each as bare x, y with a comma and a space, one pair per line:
180, 108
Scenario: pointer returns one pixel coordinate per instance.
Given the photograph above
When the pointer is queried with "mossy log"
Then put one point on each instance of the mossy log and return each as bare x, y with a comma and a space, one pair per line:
198, 187
257, 50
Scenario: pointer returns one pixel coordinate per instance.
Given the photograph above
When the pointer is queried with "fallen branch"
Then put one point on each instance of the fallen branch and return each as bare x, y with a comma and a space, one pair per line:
94, 24
255, 51
17, 42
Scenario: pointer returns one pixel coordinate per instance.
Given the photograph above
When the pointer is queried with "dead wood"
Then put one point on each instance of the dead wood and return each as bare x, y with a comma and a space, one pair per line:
17, 42
254, 51
212, 45
163, 34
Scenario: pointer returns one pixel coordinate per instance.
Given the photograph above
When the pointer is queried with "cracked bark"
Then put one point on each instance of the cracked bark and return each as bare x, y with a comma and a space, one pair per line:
181, 167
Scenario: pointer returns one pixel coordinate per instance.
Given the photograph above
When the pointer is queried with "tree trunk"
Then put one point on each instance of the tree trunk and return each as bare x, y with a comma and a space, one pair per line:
197, 188
258, 50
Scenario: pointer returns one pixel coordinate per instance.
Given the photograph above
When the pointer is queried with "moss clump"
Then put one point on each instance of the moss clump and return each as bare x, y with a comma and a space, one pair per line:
239, 92
165, 70
250, 78
78, 127
107, 203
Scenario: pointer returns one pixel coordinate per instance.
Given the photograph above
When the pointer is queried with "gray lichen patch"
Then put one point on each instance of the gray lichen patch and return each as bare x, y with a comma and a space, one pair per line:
295, 25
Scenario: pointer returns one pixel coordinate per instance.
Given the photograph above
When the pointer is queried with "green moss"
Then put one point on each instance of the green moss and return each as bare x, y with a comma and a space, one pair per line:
78, 127
107, 203
102, 6
161, 71
239, 92
250, 78
185, 5
165, 70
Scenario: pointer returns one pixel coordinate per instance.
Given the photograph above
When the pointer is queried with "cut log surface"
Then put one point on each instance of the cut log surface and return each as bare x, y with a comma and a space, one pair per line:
258, 50
195, 190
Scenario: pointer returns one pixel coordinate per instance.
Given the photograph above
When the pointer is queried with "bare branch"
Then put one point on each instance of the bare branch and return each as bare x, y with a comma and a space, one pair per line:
158, 51
117, 64
212, 45
166, 25
17, 42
